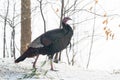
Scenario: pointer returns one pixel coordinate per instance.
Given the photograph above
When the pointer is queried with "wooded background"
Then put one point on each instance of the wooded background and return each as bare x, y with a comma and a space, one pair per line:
23, 21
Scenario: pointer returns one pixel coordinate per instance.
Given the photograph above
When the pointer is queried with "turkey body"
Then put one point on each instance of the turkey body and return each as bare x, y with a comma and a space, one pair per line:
57, 40
49, 43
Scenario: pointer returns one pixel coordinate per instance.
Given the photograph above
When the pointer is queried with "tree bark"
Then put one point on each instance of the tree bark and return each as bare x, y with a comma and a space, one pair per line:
25, 24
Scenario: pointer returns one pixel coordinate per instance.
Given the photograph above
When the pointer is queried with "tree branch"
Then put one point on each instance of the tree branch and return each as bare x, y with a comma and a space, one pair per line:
41, 11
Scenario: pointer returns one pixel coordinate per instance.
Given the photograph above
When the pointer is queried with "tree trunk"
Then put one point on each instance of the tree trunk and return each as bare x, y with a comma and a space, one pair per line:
58, 55
25, 24
4, 35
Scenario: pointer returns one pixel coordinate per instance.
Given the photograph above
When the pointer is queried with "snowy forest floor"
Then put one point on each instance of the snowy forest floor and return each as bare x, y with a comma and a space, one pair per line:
21, 71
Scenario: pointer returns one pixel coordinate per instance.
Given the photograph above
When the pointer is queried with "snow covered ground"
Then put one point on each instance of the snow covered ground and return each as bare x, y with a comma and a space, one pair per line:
104, 65
106, 55
11, 71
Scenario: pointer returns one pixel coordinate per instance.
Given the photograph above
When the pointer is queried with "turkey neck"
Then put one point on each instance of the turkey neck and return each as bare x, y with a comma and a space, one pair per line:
66, 27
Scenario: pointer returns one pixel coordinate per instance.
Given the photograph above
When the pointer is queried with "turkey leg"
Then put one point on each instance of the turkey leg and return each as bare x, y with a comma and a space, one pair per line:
34, 63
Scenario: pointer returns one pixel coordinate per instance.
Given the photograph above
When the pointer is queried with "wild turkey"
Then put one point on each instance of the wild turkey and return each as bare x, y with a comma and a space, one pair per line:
49, 43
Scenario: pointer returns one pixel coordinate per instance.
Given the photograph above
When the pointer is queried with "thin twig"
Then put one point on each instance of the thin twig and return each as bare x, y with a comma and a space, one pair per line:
41, 11
92, 39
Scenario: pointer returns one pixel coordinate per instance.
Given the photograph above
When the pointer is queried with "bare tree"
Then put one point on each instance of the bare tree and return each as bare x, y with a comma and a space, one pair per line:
5, 24
10, 22
12, 25
41, 11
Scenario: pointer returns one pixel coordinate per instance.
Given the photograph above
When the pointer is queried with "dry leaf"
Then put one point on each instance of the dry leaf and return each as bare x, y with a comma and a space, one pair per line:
57, 10
112, 36
104, 28
96, 1
105, 15
105, 21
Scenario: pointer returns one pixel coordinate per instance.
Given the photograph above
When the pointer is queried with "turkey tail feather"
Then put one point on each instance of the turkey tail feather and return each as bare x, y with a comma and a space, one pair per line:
21, 58
30, 52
